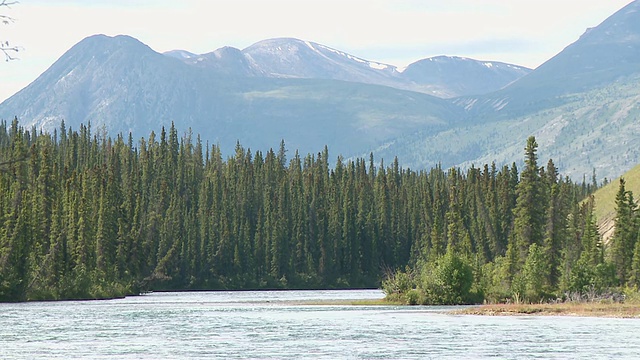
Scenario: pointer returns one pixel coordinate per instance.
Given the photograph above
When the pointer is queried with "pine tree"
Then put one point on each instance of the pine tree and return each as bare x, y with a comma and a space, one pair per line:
623, 241
529, 212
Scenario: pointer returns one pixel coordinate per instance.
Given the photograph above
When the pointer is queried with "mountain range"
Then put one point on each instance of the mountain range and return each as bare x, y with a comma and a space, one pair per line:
582, 105
441, 76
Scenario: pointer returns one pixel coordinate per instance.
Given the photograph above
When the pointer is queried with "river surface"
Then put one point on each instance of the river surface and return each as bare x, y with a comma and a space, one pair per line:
273, 325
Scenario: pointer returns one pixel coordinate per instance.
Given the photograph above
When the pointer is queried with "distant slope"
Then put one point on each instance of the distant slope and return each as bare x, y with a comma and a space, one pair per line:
605, 200
602, 54
596, 129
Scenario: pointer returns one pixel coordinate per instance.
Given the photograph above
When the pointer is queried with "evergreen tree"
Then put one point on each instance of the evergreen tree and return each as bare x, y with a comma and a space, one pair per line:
530, 211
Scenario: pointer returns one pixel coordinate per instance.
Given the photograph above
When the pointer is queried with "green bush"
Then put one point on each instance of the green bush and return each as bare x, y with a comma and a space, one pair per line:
496, 281
529, 285
448, 281
414, 297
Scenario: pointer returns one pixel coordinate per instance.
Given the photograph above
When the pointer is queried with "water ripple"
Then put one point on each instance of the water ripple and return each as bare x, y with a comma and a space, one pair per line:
264, 325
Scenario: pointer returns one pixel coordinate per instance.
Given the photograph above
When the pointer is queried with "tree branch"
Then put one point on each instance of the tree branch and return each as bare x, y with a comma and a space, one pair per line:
8, 3
7, 49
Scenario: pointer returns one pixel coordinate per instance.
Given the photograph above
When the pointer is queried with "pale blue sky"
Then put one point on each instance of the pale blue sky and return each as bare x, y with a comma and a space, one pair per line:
398, 32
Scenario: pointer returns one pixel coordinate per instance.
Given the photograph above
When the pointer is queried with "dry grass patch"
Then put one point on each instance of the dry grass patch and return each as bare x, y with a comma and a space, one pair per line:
615, 310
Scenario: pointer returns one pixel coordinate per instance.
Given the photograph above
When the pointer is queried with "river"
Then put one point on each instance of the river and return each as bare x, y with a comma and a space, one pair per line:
273, 325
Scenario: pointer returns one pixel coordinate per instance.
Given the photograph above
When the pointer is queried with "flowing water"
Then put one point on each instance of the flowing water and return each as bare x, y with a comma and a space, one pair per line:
274, 325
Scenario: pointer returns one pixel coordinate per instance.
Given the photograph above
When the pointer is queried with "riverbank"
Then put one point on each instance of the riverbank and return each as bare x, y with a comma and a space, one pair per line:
611, 310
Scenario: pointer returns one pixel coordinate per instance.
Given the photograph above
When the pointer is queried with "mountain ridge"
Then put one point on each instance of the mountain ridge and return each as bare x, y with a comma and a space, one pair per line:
295, 58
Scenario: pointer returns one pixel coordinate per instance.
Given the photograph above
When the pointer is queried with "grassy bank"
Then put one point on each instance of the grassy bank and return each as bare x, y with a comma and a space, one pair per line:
614, 310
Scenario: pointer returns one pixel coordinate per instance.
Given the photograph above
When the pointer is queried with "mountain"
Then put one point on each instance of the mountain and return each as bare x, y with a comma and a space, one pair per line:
92, 81
121, 84
441, 76
583, 106
451, 76
226, 60
303, 59
602, 55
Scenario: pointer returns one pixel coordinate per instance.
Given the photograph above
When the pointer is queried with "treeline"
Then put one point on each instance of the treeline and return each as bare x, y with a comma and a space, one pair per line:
83, 215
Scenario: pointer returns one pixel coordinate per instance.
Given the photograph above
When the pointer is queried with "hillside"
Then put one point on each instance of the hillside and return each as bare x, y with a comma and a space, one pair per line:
591, 130
605, 200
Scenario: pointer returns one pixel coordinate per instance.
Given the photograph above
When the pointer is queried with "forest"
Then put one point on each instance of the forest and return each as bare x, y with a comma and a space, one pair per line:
87, 216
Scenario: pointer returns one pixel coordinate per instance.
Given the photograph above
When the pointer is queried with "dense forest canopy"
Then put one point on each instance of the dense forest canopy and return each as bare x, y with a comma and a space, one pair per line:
84, 215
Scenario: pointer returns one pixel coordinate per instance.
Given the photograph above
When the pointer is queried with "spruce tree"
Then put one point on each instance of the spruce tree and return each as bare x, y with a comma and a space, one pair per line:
623, 241
530, 206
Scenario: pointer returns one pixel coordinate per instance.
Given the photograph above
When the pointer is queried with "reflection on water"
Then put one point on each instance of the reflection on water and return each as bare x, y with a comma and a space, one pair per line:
272, 325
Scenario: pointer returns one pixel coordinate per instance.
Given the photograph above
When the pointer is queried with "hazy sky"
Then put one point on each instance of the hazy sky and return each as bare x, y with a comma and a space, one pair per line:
397, 32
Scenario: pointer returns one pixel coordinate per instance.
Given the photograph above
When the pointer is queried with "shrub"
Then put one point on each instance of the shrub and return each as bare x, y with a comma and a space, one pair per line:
414, 297
397, 285
448, 281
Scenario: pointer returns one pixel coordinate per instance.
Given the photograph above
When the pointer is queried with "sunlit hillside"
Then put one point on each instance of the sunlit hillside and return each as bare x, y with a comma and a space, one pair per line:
606, 200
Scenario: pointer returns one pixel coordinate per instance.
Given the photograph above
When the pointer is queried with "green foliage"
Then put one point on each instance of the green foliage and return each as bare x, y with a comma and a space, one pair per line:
530, 208
582, 278
529, 237
586, 278
631, 295
529, 285
496, 283
448, 281
414, 297
625, 235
